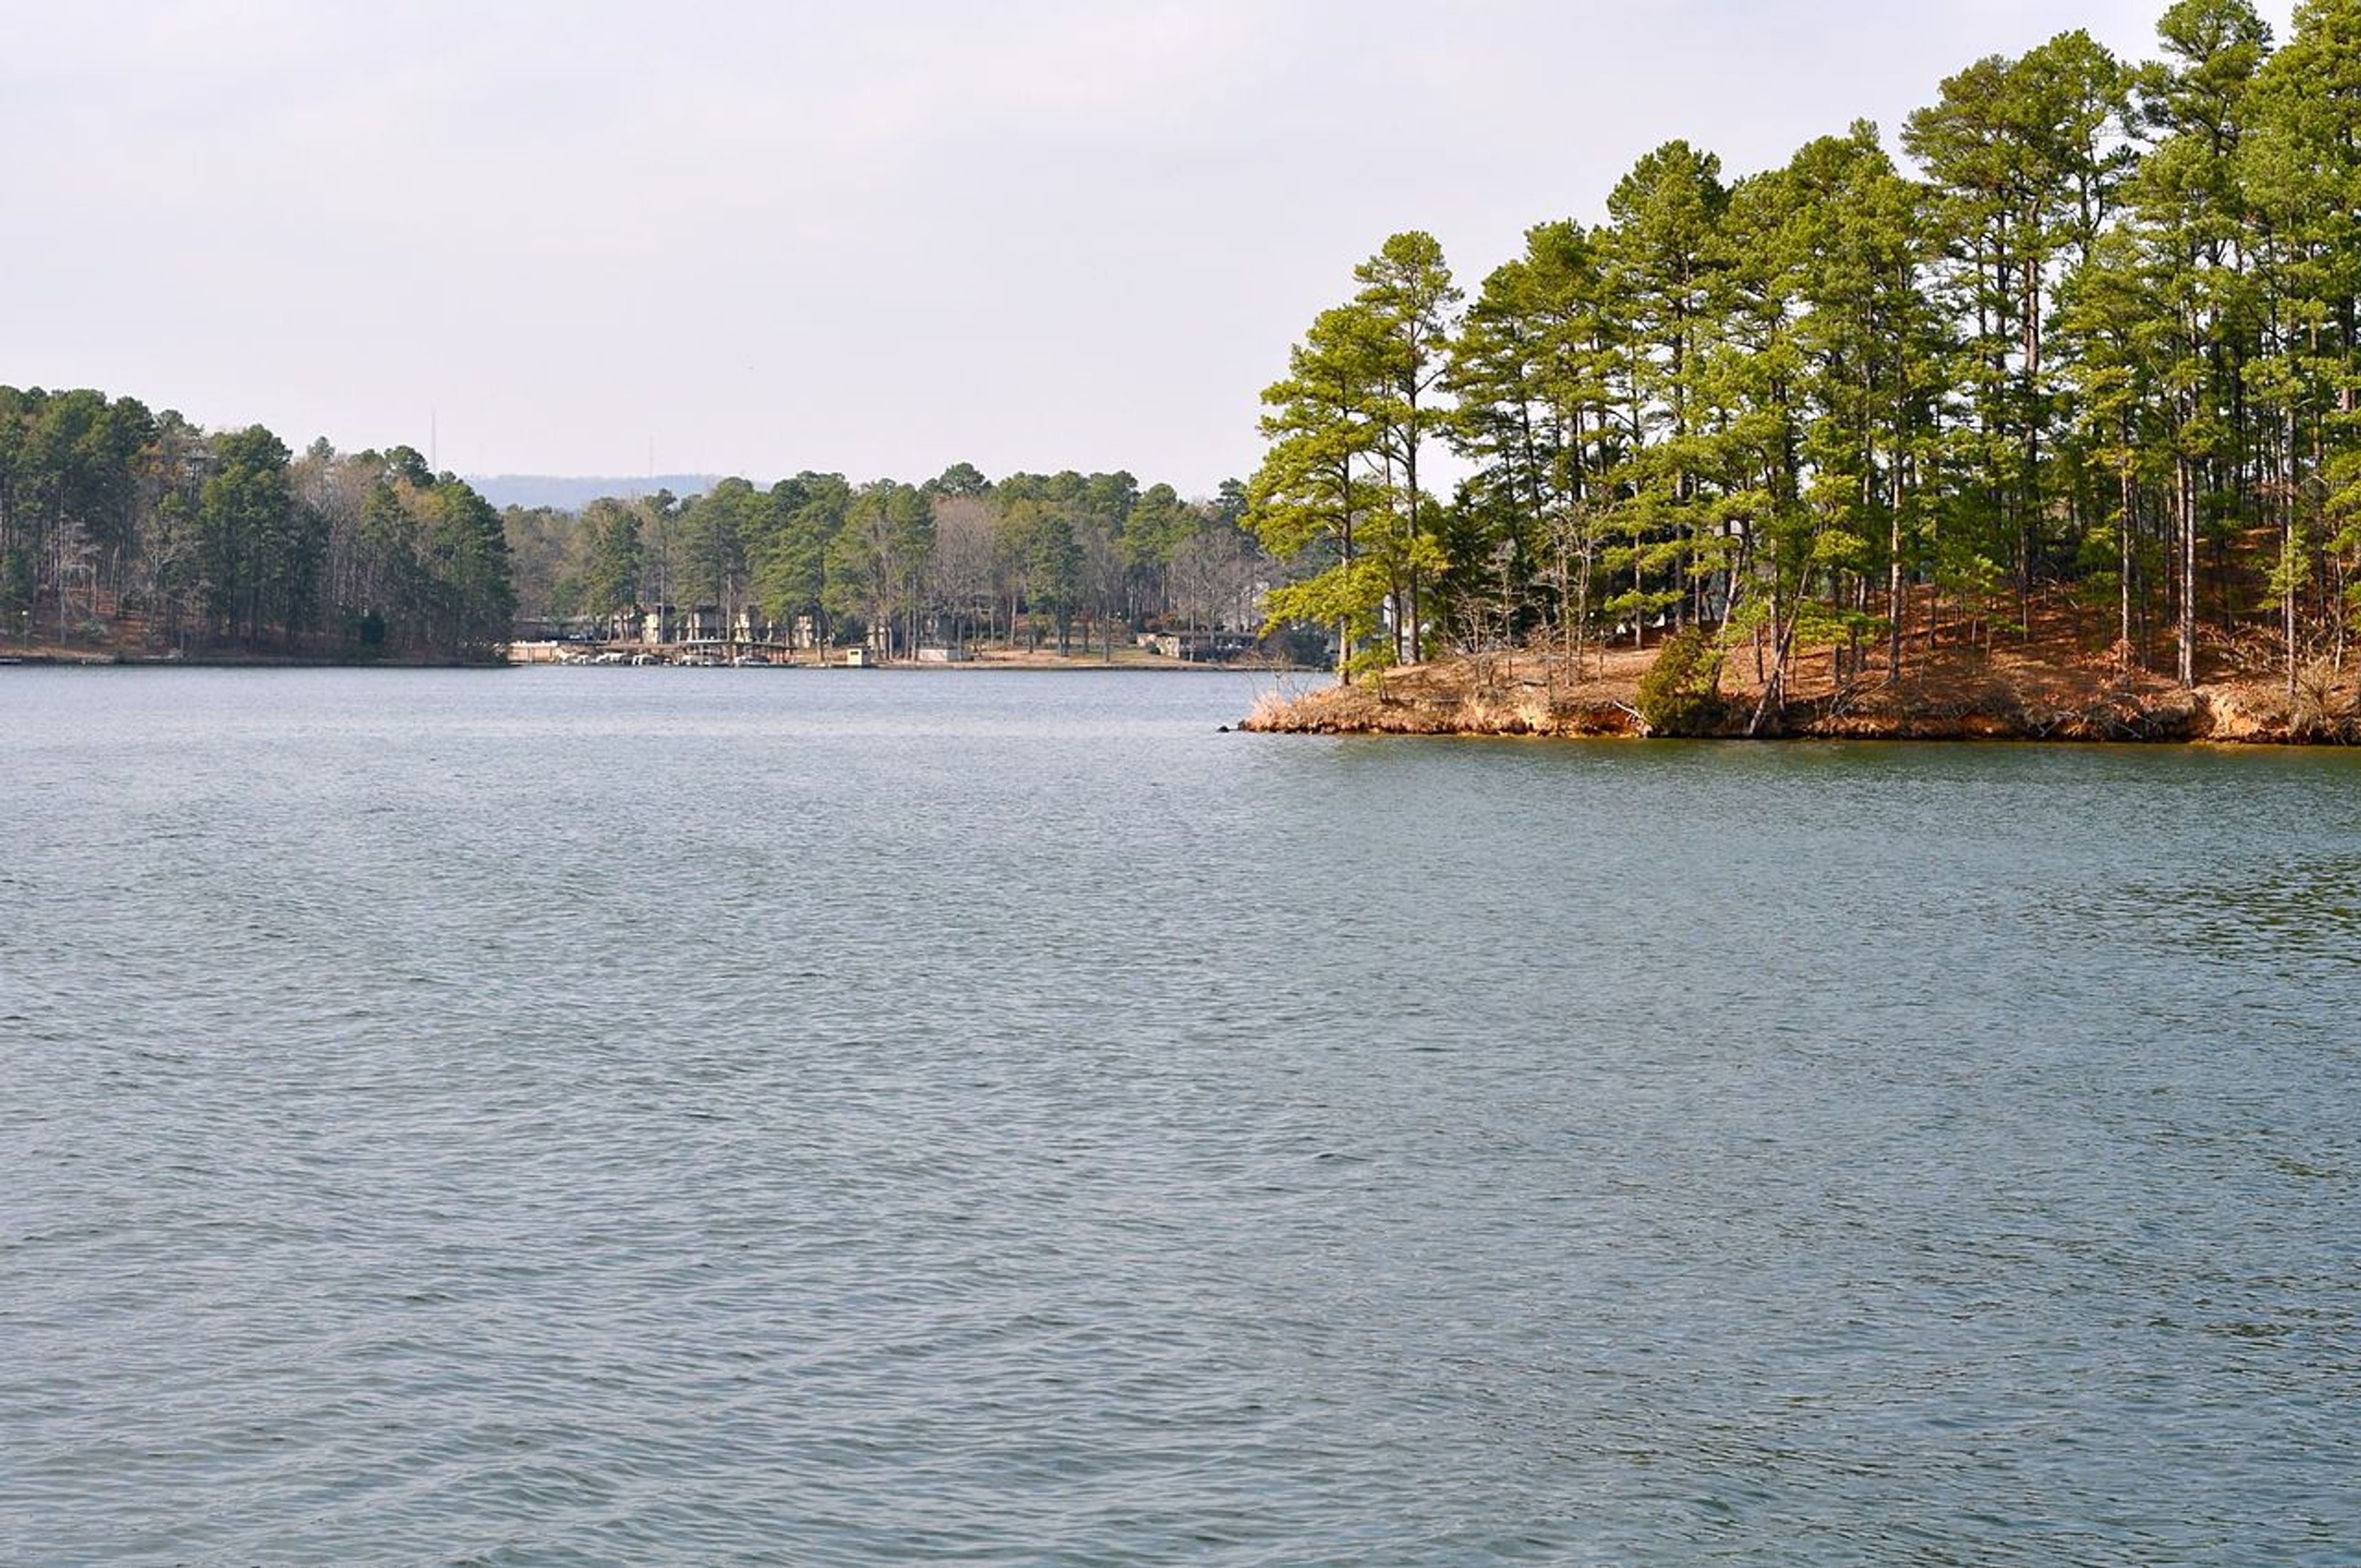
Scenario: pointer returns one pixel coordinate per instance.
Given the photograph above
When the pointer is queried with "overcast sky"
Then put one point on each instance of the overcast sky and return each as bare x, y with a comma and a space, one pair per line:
879, 240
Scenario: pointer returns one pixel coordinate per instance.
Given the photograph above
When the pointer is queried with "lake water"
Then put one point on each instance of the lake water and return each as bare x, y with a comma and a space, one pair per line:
587, 1116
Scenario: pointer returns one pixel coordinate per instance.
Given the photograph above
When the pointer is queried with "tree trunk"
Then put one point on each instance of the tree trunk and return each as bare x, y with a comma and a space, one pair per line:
2287, 543
2124, 566
1897, 604
2185, 509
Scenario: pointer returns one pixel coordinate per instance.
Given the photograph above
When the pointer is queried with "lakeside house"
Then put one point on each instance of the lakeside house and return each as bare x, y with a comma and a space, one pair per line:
1201, 647
665, 625
659, 626
574, 628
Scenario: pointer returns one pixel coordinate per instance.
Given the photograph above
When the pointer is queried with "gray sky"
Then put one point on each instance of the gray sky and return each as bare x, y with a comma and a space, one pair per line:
879, 240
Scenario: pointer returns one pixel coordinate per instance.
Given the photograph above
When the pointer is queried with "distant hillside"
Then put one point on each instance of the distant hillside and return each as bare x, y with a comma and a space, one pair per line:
572, 493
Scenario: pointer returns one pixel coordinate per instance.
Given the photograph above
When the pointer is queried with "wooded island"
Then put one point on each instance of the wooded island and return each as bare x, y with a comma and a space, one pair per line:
2039, 438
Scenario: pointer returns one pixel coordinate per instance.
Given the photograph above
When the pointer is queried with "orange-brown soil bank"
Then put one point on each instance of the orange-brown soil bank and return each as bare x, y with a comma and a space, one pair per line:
2047, 687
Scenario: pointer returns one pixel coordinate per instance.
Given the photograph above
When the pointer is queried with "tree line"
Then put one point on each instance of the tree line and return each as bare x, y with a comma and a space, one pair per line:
117, 521
1031, 557
2095, 344
121, 525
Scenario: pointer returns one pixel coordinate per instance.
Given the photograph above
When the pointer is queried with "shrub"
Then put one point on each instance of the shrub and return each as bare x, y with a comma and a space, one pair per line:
1680, 695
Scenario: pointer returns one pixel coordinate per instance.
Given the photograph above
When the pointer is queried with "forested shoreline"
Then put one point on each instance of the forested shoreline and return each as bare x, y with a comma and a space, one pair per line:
2098, 352
128, 532
1060, 561
124, 529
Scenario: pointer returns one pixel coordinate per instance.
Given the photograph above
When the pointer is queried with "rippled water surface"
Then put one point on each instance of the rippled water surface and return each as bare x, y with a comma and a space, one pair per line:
748, 1116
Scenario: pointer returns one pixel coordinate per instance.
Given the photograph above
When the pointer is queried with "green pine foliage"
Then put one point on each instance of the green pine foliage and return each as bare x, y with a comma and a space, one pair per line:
2097, 342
